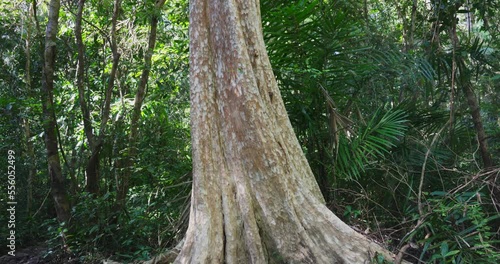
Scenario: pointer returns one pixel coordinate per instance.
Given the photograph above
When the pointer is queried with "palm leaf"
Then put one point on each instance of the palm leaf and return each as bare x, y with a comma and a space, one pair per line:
374, 140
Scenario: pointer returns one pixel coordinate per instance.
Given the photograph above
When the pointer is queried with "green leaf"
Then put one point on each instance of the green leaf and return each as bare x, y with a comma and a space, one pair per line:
439, 193
444, 249
451, 253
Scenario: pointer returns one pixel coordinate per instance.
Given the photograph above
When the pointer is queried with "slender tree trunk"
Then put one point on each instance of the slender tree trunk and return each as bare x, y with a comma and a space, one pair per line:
411, 40
136, 112
465, 83
91, 170
113, 73
32, 167
95, 141
488, 163
475, 111
57, 180
27, 130
254, 199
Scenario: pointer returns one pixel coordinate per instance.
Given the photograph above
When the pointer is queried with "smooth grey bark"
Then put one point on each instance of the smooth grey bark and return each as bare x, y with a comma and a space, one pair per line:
57, 181
254, 199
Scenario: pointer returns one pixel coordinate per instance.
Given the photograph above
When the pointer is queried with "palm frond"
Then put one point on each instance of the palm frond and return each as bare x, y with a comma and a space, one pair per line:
374, 140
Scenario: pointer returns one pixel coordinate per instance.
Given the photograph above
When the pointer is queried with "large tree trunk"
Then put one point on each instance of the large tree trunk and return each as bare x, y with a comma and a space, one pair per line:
254, 199
58, 188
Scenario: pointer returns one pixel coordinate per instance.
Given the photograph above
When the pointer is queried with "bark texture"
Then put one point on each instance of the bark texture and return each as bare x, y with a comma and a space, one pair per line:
254, 199
57, 185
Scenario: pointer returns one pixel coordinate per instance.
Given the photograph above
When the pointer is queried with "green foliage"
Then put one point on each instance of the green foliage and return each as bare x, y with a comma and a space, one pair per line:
379, 259
93, 228
351, 213
148, 225
371, 142
339, 69
457, 230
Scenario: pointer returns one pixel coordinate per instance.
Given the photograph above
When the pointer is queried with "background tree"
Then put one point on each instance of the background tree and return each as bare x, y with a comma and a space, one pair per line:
58, 187
123, 182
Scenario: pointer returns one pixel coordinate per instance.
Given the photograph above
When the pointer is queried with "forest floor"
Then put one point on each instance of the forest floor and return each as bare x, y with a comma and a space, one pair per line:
38, 254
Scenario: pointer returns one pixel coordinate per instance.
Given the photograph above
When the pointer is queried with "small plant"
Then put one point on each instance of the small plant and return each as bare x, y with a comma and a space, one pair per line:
350, 213
379, 259
457, 230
